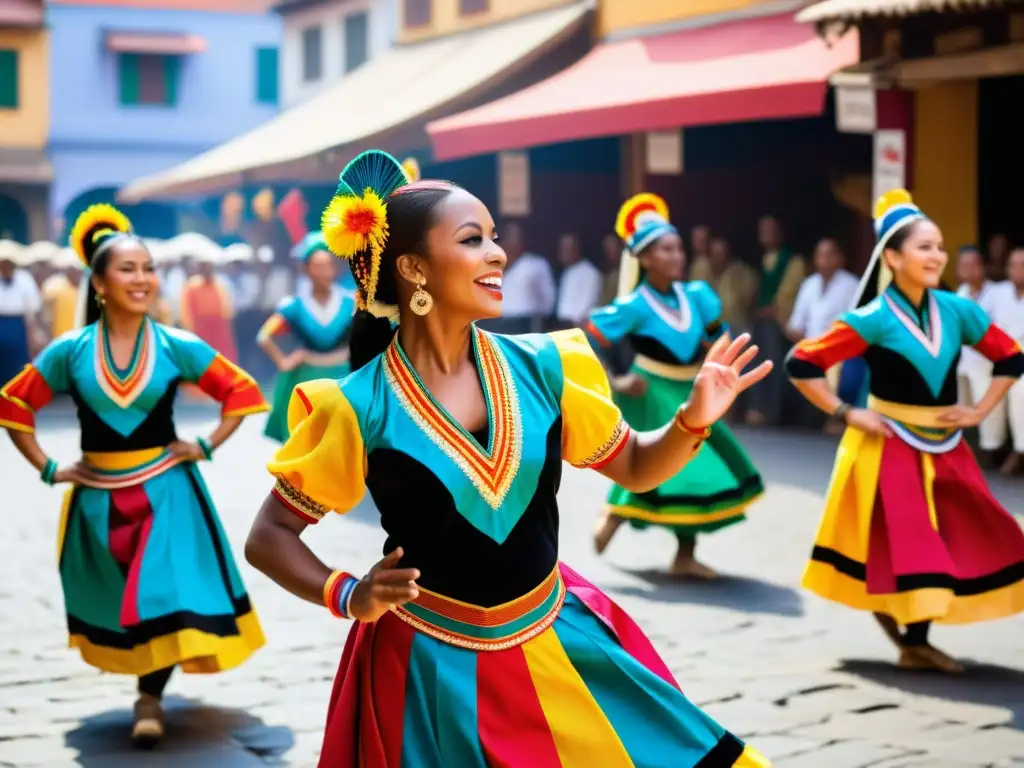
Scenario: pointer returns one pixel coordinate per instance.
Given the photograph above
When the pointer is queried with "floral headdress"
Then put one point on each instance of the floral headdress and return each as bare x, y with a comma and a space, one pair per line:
355, 222
96, 229
641, 220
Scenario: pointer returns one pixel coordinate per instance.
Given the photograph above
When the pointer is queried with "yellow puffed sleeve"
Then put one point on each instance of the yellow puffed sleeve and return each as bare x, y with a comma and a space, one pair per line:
322, 467
593, 431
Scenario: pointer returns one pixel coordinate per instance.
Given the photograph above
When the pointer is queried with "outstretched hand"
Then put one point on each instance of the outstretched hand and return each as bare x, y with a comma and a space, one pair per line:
384, 587
721, 380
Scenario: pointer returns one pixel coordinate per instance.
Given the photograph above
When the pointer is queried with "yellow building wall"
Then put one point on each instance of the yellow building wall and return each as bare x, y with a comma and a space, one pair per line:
946, 159
617, 15
446, 18
27, 127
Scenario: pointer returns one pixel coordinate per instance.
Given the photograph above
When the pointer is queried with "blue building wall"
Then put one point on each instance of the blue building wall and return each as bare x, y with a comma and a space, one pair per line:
98, 144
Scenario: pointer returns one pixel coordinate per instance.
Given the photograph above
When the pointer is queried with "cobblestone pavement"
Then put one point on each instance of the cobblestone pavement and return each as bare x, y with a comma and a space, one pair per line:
809, 683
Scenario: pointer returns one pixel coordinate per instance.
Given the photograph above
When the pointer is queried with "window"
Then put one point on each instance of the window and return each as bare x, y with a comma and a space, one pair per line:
149, 79
418, 13
356, 40
467, 7
312, 54
266, 75
8, 79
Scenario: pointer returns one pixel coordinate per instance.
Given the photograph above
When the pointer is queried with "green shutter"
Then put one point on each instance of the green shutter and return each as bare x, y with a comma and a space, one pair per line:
129, 71
266, 75
8, 79
172, 66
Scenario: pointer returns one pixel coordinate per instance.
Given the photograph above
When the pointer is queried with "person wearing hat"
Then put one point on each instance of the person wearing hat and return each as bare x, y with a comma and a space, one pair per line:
20, 303
60, 292
319, 320
207, 306
149, 581
670, 324
911, 531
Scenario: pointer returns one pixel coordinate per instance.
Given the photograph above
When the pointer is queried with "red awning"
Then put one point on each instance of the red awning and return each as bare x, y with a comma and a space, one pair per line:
754, 69
162, 43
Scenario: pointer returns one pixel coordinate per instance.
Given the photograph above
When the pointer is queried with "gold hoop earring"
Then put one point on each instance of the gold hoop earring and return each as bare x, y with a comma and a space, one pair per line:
421, 302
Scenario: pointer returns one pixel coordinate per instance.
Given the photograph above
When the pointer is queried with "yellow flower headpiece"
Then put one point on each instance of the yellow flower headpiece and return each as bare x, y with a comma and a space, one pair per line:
355, 224
94, 225
412, 169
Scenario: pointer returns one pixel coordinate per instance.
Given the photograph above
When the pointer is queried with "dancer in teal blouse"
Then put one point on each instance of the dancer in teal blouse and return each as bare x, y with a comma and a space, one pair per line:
319, 322
669, 324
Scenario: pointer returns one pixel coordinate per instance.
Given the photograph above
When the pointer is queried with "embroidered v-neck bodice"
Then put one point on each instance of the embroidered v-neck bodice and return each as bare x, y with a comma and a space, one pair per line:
480, 523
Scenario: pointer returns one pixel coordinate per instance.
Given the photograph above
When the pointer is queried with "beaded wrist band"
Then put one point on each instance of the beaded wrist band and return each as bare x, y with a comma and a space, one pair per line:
48, 472
206, 447
700, 435
338, 591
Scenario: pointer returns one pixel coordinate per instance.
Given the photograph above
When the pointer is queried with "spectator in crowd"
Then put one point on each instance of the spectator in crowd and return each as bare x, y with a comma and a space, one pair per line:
974, 371
579, 287
998, 253
20, 303
1007, 311
611, 251
782, 272
700, 248
207, 308
527, 287
733, 281
823, 297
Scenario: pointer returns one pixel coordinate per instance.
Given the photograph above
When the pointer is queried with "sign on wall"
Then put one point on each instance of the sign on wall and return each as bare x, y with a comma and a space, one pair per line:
514, 184
856, 110
665, 152
890, 162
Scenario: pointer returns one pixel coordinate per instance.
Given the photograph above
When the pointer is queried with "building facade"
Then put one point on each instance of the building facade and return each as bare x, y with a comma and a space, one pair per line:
957, 74
139, 86
324, 40
25, 174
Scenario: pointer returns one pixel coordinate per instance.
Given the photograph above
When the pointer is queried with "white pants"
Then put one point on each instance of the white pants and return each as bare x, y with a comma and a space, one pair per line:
1010, 410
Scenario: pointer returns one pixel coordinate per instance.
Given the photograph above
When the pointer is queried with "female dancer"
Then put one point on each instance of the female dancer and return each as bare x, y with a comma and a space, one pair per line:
911, 530
473, 645
149, 581
669, 324
320, 321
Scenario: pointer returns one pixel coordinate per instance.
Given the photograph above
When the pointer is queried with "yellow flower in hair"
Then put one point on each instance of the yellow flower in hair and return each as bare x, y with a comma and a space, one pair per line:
890, 200
91, 223
412, 169
352, 225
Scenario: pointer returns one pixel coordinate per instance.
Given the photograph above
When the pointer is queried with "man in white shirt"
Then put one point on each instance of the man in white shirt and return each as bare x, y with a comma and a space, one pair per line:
1006, 308
824, 295
822, 298
974, 371
579, 288
527, 285
20, 302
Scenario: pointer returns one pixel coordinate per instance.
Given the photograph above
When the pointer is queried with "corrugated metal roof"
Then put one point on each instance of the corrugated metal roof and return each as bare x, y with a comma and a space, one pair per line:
855, 9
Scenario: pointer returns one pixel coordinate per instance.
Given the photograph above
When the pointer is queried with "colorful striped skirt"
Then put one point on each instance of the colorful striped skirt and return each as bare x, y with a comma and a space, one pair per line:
149, 580
277, 421
712, 491
916, 534
577, 686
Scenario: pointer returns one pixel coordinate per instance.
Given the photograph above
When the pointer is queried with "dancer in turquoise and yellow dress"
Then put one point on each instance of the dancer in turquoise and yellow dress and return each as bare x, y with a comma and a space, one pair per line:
319, 321
473, 646
669, 324
149, 580
911, 531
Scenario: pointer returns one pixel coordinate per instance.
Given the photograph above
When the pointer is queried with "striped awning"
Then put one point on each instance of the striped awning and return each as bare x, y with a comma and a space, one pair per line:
836, 10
